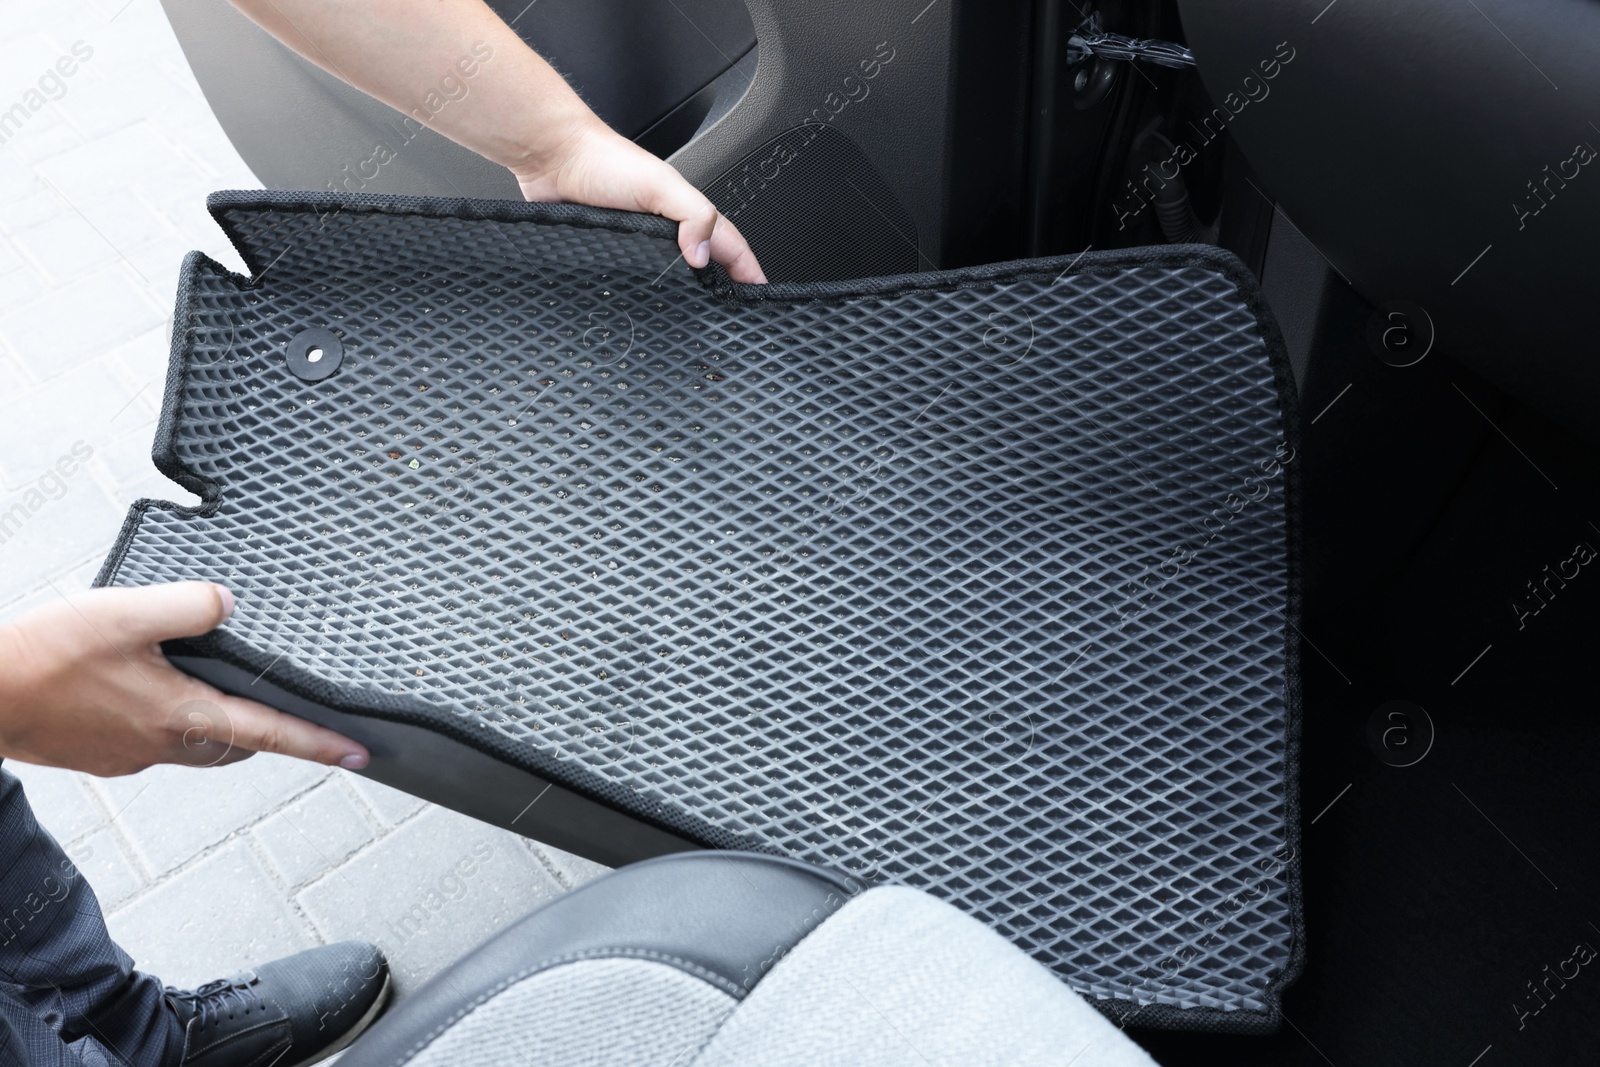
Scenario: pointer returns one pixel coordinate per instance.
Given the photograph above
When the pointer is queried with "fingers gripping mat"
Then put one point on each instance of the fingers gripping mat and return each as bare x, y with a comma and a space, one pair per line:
980, 581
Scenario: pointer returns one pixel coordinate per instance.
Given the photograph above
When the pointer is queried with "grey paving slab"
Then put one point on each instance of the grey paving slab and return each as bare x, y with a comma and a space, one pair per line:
24, 54
222, 914
65, 247
142, 144
390, 805
57, 333
47, 135
98, 105
430, 891
60, 800
104, 861
21, 213
39, 428
17, 181
13, 379
313, 834
19, 286
126, 460
145, 360
57, 537
125, 220
172, 814
571, 871
10, 261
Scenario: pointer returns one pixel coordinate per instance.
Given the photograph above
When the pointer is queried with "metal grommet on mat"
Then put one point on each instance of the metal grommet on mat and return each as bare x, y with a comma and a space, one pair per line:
314, 354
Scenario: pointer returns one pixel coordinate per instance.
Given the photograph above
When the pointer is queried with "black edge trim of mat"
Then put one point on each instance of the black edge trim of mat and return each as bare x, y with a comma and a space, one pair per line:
375, 704
221, 204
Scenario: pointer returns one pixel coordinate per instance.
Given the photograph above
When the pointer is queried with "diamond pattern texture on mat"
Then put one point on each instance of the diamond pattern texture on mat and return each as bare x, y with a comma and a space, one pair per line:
979, 589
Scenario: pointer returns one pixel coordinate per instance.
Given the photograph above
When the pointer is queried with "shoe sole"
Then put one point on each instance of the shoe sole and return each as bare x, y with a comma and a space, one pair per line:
355, 1031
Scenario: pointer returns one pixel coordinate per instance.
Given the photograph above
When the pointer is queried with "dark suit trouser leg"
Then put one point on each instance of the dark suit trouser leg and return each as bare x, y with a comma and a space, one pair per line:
62, 978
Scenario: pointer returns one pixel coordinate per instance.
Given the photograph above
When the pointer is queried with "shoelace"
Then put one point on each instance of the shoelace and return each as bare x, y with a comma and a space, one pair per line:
214, 999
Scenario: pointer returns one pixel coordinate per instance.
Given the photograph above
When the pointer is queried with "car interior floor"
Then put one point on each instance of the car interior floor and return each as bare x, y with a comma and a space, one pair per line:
1448, 736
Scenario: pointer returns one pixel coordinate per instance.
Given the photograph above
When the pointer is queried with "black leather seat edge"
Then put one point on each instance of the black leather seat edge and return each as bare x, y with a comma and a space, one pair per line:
725, 917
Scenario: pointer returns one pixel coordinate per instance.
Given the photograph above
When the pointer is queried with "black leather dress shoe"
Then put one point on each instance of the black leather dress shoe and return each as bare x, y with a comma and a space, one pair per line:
287, 1013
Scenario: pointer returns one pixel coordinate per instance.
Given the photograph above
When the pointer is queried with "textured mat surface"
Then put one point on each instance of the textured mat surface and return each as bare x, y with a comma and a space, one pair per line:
980, 581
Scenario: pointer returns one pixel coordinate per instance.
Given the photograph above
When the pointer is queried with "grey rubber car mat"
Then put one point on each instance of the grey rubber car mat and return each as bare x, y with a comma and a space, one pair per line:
984, 581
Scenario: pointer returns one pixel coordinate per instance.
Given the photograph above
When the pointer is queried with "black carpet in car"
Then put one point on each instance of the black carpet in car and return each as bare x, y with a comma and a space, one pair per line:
1449, 735
983, 581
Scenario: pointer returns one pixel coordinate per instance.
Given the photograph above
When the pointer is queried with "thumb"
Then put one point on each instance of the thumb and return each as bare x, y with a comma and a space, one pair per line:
704, 233
177, 609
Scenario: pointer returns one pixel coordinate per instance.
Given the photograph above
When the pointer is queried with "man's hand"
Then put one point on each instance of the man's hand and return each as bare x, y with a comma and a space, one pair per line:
512, 108
599, 166
83, 685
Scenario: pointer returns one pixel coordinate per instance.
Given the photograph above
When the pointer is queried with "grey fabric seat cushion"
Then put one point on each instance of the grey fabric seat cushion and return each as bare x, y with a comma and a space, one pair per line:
587, 1013
895, 978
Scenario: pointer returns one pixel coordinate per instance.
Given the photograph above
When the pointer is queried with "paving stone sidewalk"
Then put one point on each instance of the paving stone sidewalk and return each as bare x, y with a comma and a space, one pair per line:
202, 872
103, 178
